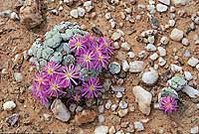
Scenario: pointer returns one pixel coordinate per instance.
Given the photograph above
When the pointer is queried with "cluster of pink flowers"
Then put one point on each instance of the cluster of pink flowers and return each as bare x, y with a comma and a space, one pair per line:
54, 80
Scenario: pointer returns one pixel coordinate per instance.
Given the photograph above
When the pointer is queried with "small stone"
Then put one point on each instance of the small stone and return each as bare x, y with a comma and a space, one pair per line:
125, 46
72, 107
175, 68
116, 36
101, 130
125, 65
123, 104
150, 77
74, 13
183, 2
166, 2
193, 61
101, 109
47, 117
108, 104
172, 23
188, 75
108, 16
114, 68
136, 66
161, 8
14, 16
194, 130
9, 105
138, 126
101, 118
176, 34
131, 54
54, 12
119, 95
88, 5
154, 57
151, 39
18, 77
112, 130
122, 112
13, 119
197, 67
151, 48
164, 40
114, 107
185, 41
142, 54
162, 51
60, 111
162, 62
143, 98
85, 117
190, 91
81, 11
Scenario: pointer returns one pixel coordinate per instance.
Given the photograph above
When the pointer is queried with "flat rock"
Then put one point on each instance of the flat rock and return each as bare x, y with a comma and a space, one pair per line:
136, 66
101, 130
143, 98
9, 105
166, 2
60, 111
193, 61
30, 13
176, 34
150, 77
85, 117
161, 8
138, 126
190, 91
176, 2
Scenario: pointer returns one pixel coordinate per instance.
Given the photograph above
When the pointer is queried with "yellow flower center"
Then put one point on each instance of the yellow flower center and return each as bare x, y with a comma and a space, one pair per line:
68, 75
40, 80
100, 58
55, 87
78, 44
87, 58
92, 88
50, 71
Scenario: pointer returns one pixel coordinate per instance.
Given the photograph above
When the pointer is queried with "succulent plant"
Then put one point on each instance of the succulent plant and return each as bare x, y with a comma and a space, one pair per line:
177, 82
168, 100
70, 67
168, 104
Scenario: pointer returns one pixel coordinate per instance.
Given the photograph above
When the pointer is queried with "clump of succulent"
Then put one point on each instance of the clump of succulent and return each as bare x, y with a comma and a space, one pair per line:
168, 100
177, 82
78, 79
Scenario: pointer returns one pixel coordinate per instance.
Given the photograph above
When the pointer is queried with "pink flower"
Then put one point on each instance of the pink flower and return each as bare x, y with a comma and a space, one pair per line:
69, 75
39, 93
91, 88
106, 45
52, 68
77, 45
101, 60
41, 78
87, 59
168, 104
56, 86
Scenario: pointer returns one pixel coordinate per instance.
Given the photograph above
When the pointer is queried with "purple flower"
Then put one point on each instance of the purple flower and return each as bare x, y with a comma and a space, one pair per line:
87, 59
168, 104
52, 68
69, 74
39, 93
56, 86
107, 45
77, 45
91, 88
101, 60
41, 78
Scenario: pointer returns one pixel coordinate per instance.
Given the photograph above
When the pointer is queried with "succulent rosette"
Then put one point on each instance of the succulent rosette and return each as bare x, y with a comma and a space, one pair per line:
168, 100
